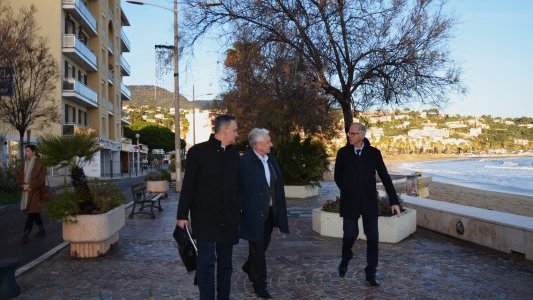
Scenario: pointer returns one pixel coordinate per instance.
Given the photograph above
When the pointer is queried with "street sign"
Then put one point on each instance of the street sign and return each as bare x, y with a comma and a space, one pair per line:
6, 81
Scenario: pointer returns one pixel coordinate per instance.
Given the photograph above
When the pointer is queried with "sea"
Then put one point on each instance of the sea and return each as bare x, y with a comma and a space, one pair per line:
508, 175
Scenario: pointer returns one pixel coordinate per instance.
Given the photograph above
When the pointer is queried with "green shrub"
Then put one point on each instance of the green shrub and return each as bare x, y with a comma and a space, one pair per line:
302, 162
9, 190
158, 176
106, 195
384, 206
65, 205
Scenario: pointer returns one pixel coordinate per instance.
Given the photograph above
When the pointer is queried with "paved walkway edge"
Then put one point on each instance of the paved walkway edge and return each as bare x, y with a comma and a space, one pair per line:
40, 259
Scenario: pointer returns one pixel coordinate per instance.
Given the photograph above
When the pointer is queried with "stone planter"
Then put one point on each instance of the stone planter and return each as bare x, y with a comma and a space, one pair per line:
92, 235
391, 229
301, 191
160, 186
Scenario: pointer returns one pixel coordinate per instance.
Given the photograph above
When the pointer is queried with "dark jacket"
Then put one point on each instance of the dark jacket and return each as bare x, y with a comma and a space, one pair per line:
209, 192
253, 189
356, 178
37, 182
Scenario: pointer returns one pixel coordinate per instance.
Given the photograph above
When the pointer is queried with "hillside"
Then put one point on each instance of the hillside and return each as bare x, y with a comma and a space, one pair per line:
146, 95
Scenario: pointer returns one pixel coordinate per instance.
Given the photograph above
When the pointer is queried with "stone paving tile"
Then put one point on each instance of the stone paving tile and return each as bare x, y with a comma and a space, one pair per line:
302, 265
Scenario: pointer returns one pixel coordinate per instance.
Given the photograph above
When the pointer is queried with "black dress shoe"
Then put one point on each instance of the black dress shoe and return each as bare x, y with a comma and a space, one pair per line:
372, 282
262, 293
343, 267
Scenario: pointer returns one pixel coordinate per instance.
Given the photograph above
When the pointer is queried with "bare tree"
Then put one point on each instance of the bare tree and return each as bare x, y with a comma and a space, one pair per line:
273, 93
362, 52
34, 69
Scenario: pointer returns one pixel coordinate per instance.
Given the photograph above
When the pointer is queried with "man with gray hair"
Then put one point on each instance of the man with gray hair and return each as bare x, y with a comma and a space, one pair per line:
355, 175
263, 196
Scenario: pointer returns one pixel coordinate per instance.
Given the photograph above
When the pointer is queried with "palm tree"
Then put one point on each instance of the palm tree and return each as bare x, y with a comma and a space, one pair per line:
72, 151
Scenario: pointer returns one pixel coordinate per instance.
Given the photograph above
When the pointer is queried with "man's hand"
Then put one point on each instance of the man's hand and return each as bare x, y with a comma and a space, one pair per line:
183, 223
395, 209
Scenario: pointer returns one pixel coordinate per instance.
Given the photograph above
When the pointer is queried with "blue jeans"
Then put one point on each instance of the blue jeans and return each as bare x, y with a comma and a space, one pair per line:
210, 253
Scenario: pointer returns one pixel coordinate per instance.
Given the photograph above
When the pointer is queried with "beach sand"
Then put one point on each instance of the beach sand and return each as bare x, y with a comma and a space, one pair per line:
510, 203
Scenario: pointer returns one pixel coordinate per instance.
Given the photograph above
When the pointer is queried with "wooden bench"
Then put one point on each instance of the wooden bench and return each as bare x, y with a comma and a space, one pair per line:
144, 199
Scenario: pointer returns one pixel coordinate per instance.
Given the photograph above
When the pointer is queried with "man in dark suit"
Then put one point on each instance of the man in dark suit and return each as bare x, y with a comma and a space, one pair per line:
209, 193
355, 175
265, 207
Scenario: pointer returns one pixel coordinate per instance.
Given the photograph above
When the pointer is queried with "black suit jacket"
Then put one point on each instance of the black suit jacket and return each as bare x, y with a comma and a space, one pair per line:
356, 178
209, 192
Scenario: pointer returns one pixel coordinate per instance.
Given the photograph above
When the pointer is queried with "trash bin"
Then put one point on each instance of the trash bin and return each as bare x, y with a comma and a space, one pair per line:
411, 184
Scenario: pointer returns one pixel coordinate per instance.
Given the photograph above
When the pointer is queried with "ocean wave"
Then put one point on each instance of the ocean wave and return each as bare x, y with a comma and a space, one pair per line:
504, 167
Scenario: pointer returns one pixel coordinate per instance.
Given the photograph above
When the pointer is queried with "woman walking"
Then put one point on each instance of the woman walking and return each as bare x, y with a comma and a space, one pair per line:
31, 176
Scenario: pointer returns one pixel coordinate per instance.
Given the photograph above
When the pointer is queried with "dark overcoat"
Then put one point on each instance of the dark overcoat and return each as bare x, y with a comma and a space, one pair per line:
209, 192
356, 178
37, 182
252, 190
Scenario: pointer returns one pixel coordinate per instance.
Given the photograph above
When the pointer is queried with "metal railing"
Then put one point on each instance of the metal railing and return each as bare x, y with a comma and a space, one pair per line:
72, 41
72, 85
125, 39
125, 91
124, 64
84, 12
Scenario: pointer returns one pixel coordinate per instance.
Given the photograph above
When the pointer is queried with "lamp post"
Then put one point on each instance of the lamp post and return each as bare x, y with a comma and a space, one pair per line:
138, 154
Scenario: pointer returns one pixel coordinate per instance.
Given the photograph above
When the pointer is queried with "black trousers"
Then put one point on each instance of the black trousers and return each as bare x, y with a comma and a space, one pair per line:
32, 218
351, 232
256, 263
210, 253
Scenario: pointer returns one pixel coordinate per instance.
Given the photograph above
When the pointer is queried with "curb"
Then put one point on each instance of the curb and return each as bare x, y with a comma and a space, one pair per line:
40, 259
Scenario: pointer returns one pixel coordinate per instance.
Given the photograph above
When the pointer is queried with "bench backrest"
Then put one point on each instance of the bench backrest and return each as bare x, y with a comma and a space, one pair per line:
138, 190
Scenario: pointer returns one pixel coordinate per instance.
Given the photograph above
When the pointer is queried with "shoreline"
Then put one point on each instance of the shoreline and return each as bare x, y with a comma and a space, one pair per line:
498, 201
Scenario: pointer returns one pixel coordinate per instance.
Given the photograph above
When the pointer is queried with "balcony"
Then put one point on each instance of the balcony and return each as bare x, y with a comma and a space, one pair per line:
124, 20
125, 68
71, 128
110, 76
124, 42
79, 52
125, 118
125, 93
79, 92
78, 9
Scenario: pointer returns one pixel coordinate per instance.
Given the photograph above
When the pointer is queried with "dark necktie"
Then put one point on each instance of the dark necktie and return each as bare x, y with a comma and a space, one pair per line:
358, 152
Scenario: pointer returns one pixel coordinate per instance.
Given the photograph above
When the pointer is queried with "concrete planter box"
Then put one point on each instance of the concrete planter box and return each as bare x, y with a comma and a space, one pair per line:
301, 191
161, 186
92, 235
391, 229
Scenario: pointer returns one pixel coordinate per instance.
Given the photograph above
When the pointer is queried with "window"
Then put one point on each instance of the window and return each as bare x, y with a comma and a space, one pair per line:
79, 116
74, 72
85, 119
66, 69
79, 76
67, 108
85, 79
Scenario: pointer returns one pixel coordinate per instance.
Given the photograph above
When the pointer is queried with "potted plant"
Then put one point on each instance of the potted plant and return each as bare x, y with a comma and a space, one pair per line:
303, 165
392, 229
92, 213
158, 181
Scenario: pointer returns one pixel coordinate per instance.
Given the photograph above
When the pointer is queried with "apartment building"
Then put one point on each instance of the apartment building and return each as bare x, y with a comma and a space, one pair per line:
87, 40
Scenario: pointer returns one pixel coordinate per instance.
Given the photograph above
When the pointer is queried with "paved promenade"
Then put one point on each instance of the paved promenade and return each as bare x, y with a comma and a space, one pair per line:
302, 265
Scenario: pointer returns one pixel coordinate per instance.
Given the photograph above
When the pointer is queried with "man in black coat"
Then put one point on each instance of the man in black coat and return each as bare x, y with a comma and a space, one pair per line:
209, 193
265, 207
355, 175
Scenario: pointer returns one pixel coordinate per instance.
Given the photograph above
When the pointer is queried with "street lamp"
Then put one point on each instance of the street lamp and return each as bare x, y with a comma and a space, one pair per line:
177, 140
138, 154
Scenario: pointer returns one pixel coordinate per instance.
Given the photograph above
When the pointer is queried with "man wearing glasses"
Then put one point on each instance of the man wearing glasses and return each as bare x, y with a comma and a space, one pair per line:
355, 175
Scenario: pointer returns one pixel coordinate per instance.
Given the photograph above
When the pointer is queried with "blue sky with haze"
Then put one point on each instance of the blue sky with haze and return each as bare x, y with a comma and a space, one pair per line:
493, 44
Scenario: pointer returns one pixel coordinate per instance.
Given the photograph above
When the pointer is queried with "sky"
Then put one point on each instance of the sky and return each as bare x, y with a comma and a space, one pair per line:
492, 43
